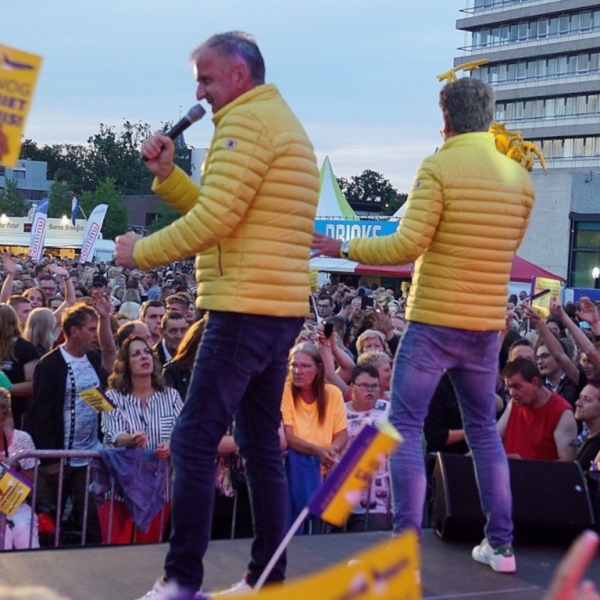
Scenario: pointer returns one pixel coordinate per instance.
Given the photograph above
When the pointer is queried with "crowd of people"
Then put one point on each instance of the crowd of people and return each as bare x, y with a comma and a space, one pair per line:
548, 386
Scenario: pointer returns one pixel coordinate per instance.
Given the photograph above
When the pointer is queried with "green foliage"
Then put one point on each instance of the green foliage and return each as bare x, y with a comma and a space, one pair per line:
12, 200
166, 215
115, 222
108, 154
60, 200
371, 186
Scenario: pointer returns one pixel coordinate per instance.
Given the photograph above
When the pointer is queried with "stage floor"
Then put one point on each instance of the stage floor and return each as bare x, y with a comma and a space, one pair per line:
125, 573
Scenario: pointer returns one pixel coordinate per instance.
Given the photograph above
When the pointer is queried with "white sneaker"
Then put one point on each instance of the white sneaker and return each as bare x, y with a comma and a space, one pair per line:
161, 590
240, 587
502, 559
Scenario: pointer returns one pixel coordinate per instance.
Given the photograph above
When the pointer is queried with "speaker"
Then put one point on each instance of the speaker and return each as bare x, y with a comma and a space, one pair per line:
551, 502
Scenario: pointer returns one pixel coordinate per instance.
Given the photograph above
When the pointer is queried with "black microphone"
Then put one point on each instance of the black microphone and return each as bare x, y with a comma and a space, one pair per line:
194, 114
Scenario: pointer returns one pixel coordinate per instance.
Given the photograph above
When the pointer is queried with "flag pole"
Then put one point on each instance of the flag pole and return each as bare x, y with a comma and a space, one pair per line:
281, 548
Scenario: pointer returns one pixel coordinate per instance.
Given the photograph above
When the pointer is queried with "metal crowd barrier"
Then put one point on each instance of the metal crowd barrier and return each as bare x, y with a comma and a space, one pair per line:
62, 456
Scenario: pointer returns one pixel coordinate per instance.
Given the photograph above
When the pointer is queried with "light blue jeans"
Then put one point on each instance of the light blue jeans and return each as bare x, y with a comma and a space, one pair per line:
471, 359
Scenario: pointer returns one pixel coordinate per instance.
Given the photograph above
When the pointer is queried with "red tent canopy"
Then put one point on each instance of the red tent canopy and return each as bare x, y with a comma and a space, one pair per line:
522, 270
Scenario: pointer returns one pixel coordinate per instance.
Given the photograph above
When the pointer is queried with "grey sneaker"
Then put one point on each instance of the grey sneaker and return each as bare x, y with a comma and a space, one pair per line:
501, 559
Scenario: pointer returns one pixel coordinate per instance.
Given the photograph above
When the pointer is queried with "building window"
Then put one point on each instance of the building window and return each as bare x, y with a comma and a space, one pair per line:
585, 251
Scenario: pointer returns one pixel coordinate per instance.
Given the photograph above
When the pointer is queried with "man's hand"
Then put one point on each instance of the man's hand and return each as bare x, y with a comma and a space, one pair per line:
531, 313
124, 250
158, 152
9, 263
326, 246
588, 311
567, 584
102, 304
56, 270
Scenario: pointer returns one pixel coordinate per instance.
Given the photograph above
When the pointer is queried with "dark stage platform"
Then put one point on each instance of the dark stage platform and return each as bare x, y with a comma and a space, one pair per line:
125, 573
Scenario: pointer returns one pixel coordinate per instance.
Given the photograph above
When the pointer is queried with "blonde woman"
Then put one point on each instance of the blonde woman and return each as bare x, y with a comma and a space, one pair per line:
40, 330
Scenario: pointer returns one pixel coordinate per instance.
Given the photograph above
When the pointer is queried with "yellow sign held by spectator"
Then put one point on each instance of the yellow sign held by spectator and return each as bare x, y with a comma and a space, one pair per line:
18, 75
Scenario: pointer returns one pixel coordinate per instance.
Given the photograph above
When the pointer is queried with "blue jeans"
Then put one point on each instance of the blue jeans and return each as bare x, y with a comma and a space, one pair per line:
239, 370
471, 359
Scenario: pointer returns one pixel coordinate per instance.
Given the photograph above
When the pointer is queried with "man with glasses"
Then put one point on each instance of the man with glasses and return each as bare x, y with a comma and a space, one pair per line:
48, 286
538, 424
373, 512
325, 306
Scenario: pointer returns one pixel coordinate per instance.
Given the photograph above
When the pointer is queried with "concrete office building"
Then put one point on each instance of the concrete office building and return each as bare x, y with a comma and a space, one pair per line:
544, 63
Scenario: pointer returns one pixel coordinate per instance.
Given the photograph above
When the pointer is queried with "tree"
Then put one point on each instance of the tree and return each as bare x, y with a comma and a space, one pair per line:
108, 154
372, 187
117, 156
115, 222
12, 200
60, 200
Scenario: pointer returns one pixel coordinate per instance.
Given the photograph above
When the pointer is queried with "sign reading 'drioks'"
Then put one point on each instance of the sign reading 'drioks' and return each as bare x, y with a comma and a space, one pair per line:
347, 229
18, 75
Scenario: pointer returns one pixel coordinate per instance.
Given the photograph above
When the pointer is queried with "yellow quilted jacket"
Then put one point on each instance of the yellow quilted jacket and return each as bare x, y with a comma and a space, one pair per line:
465, 218
250, 224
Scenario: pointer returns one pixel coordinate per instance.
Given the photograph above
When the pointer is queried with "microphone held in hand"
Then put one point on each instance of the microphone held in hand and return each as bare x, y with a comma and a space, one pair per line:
194, 114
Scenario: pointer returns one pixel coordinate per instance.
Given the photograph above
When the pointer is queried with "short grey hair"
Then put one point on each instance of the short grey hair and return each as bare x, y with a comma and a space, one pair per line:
468, 105
240, 44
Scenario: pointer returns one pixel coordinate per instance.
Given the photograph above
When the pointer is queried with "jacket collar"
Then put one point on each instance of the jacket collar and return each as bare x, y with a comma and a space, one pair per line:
476, 138
265, 91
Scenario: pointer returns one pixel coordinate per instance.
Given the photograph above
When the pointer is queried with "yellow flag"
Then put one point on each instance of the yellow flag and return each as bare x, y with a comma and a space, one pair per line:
342, 489
14, 489
387, 571
18, 75
96, 399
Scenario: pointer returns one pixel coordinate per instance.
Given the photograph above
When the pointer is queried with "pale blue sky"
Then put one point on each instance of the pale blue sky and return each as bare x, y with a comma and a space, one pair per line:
360, 74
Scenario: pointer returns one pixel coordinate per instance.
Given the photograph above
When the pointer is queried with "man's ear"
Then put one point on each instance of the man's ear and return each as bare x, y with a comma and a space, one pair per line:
241, 75
446, 131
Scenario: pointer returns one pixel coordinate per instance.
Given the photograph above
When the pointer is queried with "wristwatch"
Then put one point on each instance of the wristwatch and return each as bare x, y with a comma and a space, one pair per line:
345, 249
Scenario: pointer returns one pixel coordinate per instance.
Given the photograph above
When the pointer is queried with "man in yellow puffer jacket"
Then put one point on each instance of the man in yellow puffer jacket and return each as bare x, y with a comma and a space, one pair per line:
250, 225
465, 218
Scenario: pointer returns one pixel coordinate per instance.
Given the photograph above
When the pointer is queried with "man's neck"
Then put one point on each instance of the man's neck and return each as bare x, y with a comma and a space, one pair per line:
543, 396
554, 378
593, 426
73, 349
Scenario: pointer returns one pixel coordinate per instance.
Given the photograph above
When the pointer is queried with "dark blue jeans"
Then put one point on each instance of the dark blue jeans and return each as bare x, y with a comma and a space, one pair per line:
471, 359
240, 370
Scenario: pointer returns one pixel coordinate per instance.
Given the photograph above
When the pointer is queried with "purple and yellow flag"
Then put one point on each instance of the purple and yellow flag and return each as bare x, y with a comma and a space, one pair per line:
342, 489
387, 571
18, 75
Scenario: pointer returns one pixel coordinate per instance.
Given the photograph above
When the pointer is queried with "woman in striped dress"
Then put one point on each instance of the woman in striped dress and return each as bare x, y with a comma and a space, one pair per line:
144, 416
